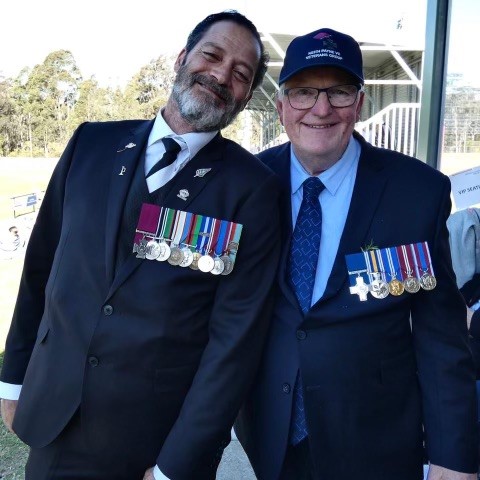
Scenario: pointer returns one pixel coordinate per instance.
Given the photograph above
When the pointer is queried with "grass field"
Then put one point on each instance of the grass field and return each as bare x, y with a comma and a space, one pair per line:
18, 177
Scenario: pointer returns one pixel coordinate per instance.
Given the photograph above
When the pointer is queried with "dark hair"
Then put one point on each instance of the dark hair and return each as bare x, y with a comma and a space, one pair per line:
233, 16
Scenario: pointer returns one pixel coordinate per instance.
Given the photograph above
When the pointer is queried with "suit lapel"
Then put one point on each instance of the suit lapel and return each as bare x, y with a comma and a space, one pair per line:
369, 186
280, 164
123, 171
184, 187
170, 194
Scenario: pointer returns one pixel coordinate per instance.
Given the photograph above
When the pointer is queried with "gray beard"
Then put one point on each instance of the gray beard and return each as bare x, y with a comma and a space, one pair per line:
200, 111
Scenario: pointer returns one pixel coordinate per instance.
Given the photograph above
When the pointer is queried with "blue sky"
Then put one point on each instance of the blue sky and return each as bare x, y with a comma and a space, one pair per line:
112, 40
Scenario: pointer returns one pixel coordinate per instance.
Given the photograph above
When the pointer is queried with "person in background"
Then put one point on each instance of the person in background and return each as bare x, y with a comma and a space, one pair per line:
138, 329
464, 229
367, 359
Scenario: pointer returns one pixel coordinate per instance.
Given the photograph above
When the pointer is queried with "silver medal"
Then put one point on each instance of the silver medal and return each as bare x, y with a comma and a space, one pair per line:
152, 250
206, 263
164, 251
176, 256
187, 257
218, 266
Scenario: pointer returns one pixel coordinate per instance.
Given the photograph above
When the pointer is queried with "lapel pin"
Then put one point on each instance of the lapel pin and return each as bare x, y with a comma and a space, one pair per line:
128, 145
183, 194
123, 170
201, 172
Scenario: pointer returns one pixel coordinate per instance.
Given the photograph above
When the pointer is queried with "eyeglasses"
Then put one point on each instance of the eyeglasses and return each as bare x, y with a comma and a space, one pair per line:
339, 96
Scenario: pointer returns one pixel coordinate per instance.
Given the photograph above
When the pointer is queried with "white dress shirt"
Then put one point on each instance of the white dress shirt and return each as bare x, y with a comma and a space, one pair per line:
190, 144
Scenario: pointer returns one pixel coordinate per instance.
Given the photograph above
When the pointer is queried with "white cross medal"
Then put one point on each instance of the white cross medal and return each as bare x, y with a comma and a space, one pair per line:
360, 288
356, 266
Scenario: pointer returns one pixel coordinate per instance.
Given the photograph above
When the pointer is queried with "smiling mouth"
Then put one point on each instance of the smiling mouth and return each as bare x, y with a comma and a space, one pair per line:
319, 127
212, 90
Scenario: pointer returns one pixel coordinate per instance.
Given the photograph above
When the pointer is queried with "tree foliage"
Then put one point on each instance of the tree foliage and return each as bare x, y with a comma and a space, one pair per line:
42, 106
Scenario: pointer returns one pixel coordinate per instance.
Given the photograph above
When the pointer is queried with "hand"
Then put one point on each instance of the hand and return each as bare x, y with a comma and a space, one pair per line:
8, 408
149, 474
440, 473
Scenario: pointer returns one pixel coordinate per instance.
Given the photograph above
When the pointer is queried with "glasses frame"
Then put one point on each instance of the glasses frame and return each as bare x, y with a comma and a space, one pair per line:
320, 90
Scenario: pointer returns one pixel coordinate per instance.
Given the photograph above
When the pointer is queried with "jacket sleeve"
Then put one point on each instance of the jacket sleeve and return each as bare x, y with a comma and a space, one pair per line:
39, 257
445, 366
237, 330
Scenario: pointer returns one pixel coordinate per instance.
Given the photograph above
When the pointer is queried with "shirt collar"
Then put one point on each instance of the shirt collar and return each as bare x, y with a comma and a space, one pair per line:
333, 177
192, 142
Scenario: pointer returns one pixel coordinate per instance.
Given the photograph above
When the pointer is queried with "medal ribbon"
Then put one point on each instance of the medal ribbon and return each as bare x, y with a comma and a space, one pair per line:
394, 263
423, 254
356, 265
211, 238
222, 237
187, 229
235, 238
179, 224
380, 263
147, 222
202, 239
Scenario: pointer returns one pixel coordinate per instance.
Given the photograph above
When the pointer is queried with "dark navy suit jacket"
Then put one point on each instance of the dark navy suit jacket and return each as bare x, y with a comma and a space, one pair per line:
159, 357
380, 376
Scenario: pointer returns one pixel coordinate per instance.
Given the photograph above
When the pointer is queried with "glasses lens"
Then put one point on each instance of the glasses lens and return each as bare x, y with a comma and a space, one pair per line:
342, 95
302, 98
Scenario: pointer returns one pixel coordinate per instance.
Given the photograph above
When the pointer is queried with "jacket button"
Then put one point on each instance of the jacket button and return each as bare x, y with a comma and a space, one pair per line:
107, 310
301, 334
93, 361
286, 388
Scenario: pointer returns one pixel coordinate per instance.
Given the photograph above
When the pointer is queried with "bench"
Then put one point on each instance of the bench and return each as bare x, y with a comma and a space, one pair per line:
24, 202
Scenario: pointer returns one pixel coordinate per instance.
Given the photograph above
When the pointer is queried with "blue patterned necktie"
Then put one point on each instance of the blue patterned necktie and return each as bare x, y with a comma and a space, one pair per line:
303, 264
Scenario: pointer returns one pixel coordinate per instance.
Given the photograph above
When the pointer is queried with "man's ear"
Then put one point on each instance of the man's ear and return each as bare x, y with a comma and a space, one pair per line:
180, 60
279, 105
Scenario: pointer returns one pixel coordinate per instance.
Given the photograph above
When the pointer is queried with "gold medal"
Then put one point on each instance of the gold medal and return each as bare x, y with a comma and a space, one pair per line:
396, 287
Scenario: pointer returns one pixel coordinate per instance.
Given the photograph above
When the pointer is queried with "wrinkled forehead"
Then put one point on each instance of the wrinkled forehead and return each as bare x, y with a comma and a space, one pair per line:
233, 37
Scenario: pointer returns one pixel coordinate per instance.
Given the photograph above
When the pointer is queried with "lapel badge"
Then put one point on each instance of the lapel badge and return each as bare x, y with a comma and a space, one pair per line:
128, 145
201, 172
123, 170
183, 194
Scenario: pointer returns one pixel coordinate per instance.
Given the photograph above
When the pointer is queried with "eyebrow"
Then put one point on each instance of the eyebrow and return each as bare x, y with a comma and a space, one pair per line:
218, 47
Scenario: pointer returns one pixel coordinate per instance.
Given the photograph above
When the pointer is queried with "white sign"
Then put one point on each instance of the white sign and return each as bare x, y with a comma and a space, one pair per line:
466, 188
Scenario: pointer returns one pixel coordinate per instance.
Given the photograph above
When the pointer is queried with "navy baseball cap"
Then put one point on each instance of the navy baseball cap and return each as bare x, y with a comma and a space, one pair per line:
321, 48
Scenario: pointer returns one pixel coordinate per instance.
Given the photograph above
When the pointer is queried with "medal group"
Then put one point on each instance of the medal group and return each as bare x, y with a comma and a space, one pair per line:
391, 271
186, 239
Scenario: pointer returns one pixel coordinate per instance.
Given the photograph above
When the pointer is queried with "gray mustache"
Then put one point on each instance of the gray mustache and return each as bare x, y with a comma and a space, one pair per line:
222, 92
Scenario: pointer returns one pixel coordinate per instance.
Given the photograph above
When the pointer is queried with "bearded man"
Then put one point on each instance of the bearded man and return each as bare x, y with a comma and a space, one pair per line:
137, 328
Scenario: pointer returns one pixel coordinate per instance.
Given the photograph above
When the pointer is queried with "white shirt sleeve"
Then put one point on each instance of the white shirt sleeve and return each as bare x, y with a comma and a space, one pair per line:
158, 474
9, 391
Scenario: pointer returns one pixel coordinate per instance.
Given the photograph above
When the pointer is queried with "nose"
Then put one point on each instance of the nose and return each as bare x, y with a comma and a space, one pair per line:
322, 106
221, 73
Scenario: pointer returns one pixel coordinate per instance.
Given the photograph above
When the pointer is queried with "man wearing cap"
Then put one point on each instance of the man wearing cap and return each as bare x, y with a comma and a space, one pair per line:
367, 367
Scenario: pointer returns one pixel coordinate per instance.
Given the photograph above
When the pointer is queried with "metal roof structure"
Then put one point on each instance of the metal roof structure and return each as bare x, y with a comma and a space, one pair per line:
374, 55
